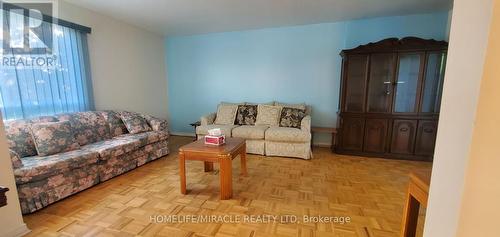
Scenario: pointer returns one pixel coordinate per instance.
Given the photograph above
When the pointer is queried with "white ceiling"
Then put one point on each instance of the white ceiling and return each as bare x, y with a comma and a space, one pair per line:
185, 17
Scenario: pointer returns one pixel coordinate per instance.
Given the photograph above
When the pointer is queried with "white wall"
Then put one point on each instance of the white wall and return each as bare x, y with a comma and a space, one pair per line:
11, 220
127, 63
466, 54
480, 210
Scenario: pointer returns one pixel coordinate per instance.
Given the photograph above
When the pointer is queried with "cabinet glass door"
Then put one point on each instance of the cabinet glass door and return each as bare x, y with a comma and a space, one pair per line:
356, 83
380, 83
405, 100
433, 82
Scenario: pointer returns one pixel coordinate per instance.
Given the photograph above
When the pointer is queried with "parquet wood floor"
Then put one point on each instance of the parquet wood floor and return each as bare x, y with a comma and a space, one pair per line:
369, 191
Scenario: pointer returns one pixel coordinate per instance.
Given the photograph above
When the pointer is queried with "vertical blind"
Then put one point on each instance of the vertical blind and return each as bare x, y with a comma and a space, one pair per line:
29, 90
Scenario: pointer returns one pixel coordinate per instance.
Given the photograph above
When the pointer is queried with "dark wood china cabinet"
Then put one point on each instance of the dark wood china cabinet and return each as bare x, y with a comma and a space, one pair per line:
390, 98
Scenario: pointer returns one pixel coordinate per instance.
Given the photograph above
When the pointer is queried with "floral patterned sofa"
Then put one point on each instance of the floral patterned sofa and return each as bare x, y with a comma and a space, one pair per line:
102, 149
272, 136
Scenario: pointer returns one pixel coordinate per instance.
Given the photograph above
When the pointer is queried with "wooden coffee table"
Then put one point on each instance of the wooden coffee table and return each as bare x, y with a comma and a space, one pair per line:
210, 154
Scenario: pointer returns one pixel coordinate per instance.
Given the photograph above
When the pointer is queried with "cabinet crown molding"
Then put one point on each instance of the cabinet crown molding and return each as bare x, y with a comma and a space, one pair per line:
395, 45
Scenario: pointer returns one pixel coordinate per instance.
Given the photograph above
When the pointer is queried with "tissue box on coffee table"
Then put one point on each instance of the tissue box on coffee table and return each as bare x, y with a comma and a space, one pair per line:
215, 140
215, 137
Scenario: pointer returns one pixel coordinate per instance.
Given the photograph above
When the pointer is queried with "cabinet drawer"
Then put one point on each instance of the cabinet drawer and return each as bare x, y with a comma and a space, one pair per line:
426, 137
353, 130
403, 136
375, 135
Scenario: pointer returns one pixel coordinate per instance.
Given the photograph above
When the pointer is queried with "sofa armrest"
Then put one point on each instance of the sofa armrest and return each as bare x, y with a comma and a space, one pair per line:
157, 124
15, 159
305, 124
208, 119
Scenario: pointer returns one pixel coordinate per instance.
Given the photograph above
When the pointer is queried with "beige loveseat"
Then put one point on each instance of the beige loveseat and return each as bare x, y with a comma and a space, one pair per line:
266, 140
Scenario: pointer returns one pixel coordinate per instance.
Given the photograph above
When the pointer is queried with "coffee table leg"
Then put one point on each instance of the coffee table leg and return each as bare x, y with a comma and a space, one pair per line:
226, 181
410, 217
182, 172
209, 166
243, 157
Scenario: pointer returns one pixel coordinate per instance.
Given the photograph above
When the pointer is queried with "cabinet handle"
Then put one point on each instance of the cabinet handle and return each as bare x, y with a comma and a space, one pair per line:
387, 87
428, 130
403, 129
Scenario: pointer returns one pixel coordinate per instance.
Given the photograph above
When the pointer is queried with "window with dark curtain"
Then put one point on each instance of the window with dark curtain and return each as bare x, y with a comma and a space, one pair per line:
56, 82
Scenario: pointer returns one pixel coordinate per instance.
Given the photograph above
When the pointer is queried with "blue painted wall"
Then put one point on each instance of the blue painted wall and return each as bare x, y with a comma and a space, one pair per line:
287, 64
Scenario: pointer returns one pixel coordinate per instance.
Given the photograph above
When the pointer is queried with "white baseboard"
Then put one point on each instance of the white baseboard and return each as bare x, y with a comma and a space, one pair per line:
183, 134
18, 232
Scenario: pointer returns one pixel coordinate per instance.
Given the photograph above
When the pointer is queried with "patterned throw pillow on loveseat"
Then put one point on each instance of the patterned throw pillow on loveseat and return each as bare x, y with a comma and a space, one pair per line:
53, 138
292, 117
135, 123
247, 114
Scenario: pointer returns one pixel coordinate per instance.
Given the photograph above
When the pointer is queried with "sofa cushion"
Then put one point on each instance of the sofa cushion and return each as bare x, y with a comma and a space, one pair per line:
226, 114
135, 123
226, 129
113, 147
283, 134
247, 114
249, 132
115, 123
145, 138
52, 138
88, 127
292, 117
19, 137
41, 167
125, 143
268, 115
